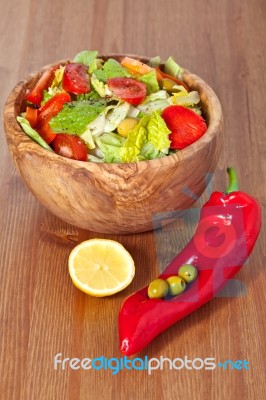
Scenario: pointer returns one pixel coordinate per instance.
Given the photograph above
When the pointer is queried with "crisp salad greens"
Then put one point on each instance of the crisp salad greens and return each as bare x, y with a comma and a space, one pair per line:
118, 122
32, 133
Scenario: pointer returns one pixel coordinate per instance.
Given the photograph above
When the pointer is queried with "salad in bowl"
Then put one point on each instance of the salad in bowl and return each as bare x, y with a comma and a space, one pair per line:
84, 175
109, 111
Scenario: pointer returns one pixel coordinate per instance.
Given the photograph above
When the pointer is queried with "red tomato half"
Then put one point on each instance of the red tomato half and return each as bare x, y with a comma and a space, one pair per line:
70, 146
35, 96
128, 89
76, 79
185, 125
49, 110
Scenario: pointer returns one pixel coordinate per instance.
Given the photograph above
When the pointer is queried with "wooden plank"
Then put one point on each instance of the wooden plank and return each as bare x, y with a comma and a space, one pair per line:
41, 312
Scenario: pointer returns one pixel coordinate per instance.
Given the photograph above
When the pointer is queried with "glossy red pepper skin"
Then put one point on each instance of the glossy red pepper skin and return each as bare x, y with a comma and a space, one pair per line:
35, 96
225, 236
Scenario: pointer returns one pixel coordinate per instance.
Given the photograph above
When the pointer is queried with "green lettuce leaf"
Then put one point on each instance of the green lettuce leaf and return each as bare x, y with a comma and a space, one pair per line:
185, 99
148, 140
97, 126
93, 158
32, 133
196, 109
150, 81
150, 107
149, 152
75, 116
100, 87
112, 139
91, 95
154, 61
88, 58
110, 145
46, 96
135, 140
115, 116
111, 69
58, 76
88, 138
159, 95
172, 68
158, 133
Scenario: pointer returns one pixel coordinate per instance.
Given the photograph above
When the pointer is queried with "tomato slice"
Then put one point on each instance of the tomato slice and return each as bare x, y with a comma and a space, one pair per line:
35, 96
176, 80
76, 79
31, 116
49, 110
128, 89
185, 125
70, 146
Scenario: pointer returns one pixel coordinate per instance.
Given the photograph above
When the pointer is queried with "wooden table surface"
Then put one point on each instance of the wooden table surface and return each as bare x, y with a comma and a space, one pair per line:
42, 313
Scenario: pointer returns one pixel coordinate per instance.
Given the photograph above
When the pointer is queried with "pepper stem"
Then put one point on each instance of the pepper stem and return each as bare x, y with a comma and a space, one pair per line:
233, 183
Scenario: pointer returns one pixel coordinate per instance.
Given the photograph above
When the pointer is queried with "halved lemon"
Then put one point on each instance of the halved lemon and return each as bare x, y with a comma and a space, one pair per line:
101, 267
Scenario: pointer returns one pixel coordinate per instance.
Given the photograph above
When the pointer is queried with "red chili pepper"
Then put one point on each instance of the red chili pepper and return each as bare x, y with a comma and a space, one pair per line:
49, 110
227, 231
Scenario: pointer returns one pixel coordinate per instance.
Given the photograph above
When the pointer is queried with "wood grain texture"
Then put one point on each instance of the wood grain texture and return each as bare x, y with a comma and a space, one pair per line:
115, 198
41, 313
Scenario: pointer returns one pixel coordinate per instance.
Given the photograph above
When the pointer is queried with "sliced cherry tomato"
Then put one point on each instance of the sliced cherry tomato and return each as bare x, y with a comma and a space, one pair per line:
128, 89
70, 146
76, 79
49, 110
31, 116
176, 80
35, 96
185, 125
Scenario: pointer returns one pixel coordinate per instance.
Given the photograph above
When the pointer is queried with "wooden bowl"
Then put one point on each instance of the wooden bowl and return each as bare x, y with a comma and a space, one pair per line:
115, 198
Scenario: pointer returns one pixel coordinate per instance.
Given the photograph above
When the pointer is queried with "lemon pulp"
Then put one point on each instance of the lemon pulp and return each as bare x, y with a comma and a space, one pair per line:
101, 267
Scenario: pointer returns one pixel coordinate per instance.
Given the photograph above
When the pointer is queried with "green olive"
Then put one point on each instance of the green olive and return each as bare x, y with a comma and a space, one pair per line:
188, 272
176, 284
168, 85
157, 289
126, 125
